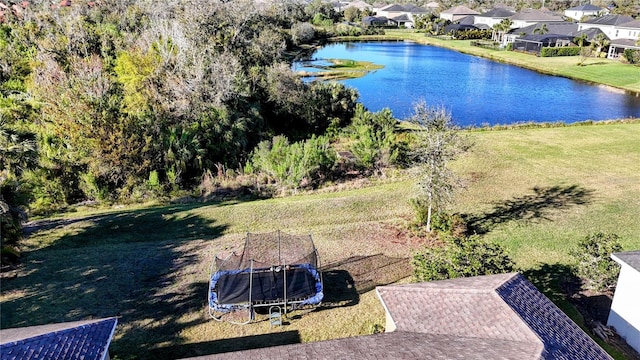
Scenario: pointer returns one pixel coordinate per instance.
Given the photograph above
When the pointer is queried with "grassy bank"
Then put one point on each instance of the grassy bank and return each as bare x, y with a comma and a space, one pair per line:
599, 71
538, 191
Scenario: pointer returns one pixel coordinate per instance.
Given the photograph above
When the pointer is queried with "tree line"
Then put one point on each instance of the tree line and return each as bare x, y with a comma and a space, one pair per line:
123, 101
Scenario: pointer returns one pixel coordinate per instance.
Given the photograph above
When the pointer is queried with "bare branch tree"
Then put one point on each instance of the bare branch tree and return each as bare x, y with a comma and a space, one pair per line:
437, 143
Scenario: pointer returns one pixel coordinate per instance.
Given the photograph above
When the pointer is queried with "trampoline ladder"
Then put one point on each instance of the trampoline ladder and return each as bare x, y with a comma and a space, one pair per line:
275, 316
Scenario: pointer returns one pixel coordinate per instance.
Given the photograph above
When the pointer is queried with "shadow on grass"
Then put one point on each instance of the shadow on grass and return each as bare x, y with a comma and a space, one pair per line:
556, 281
171, 222
586, 308
227, 345
538, 206
137, 265
345, 280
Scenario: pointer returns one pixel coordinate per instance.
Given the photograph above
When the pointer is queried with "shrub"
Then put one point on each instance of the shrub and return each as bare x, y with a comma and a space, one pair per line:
594, 263
421, 209
302, 33
461, 257
374, 137
290, 164
560, 51
632, 56
347, 30
472, 34
13, 201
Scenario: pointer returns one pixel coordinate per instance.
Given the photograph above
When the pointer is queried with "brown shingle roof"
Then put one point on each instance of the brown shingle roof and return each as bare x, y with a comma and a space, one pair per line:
468, 308
485, 317
394, 345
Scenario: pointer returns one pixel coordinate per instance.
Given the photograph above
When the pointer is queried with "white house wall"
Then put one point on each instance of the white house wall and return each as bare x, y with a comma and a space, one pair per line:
517, 24
625, 308
486, 20
578, 14
629, 33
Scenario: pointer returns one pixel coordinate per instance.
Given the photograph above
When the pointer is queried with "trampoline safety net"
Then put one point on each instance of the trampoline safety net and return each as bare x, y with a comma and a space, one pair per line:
274, 269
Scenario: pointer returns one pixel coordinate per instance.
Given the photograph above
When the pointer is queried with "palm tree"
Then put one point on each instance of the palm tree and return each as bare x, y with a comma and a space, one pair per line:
599, 43
580, 39
502, 28
541, 30
17, 154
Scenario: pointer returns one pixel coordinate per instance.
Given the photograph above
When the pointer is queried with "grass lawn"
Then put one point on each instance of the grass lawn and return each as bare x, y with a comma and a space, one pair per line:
599, 71
538, 191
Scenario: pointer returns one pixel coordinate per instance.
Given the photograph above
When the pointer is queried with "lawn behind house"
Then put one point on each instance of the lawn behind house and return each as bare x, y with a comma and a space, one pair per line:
538, 191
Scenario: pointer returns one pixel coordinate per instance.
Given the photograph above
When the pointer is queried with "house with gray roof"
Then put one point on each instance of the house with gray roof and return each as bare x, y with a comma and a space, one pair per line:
432, 6
624, 315
81, 340
559, 28
578, 12
493, 17
360, 5
629, 30
552, 28
528, 17
485, 317
401, 14
457, 12
609, 24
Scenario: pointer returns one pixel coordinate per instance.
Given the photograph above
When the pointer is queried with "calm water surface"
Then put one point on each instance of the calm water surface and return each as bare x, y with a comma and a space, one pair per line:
477, 91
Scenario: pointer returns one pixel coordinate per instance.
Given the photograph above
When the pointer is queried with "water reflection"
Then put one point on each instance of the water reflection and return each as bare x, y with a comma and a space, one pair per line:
476, 90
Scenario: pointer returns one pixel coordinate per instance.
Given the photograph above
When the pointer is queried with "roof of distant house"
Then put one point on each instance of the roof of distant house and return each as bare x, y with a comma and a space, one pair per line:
498, 13
585, 7
609, 20
560, 28
635, 24
627, 43
467, 20
393, 7
591, 33
401, 18
504, 6
460, 10
536, 15
415, 9
459, 27
359, 5
86, 340
486, 317
404, 8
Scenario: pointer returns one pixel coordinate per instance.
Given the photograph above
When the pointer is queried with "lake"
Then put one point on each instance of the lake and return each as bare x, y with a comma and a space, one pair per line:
475, 90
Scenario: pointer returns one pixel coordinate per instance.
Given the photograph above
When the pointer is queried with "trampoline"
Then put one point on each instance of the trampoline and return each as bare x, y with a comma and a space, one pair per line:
274, 269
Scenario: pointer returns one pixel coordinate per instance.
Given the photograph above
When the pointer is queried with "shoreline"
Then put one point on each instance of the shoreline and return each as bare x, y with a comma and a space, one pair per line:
557, 66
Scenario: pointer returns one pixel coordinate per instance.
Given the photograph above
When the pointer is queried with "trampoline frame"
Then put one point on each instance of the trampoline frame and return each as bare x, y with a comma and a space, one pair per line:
217, 311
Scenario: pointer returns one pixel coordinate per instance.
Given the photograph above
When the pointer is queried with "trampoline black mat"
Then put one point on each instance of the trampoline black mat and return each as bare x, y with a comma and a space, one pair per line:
267, 286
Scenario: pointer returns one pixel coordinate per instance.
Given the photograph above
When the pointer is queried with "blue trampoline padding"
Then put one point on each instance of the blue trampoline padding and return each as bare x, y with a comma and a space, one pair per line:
229, 290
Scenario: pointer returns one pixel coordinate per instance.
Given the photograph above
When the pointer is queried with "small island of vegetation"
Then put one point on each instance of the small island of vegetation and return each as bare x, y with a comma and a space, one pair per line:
340, 69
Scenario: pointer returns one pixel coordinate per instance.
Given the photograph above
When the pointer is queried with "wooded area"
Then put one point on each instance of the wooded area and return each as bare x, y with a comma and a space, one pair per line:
121, 99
